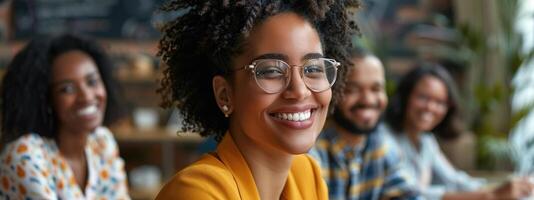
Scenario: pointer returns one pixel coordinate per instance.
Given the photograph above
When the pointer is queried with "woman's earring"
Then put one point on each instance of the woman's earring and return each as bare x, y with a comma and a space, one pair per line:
225, 110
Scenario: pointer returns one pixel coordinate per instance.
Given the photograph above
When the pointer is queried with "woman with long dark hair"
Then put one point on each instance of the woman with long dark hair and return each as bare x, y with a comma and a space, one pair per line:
426, 103
57, 96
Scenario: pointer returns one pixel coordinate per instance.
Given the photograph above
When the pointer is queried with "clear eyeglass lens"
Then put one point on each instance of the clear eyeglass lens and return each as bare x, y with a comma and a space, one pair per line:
273, 75
319, 74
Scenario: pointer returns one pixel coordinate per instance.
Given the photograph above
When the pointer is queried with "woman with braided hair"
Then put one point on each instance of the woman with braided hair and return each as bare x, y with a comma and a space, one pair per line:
259, 76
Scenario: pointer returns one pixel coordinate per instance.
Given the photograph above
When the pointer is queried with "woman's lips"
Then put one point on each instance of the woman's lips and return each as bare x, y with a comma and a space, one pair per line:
88, 110
295, 120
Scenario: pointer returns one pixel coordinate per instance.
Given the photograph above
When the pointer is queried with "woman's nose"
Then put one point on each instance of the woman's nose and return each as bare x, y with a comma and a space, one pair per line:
296, 89
85, 94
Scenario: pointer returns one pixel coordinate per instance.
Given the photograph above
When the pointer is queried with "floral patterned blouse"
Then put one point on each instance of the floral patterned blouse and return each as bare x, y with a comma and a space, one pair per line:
32, 167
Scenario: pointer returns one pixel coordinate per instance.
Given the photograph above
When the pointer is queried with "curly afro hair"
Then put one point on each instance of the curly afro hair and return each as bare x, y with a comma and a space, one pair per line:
201, 43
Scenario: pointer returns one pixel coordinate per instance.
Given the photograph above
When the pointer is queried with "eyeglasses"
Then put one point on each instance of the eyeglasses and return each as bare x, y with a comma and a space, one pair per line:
423, 99
273, 75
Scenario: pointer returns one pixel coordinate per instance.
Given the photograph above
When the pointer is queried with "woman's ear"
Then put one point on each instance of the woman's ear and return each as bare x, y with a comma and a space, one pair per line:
223, 94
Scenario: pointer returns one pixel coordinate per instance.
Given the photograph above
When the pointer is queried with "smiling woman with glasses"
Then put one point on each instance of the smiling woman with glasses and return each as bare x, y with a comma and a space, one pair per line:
426, 103
258, 76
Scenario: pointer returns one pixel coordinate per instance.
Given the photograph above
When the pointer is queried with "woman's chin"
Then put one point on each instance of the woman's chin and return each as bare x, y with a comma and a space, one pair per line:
301, 147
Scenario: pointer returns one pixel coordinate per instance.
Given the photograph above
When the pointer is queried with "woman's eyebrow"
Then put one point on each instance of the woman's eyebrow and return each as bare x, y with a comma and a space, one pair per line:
312, 56
278, 56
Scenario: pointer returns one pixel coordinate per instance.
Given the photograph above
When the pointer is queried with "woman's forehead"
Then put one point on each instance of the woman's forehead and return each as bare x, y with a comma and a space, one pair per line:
73, 64
287, 34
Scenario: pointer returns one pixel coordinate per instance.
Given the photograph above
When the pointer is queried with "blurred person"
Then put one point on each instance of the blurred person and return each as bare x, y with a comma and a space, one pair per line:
355, 156
57, 95
257, 75
426, 103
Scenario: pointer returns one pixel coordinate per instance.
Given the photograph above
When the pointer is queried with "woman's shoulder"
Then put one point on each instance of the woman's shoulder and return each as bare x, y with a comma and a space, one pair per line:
102, 142
26, 147
26, 161
30, 138
430, 143
103, 133
207, 178
207, 165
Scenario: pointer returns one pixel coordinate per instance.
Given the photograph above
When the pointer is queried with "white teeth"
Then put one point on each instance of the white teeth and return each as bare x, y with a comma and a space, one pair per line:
88, 110
300, 116
296, 117
427, 116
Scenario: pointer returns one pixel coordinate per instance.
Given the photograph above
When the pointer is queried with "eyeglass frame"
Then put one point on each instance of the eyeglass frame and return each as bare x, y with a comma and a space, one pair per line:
424, 99
254, 63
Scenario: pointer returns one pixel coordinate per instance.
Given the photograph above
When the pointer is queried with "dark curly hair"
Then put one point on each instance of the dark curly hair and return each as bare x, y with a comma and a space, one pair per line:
450, 127
26, 90
202, 43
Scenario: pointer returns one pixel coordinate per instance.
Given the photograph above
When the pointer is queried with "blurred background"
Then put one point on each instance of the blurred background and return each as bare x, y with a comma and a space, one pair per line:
487, 45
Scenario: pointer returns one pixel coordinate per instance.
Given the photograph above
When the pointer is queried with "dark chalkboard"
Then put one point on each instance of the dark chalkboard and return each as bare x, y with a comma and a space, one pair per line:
117, 19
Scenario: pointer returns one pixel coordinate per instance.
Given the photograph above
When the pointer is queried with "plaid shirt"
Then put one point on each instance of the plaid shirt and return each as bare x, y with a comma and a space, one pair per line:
369, 171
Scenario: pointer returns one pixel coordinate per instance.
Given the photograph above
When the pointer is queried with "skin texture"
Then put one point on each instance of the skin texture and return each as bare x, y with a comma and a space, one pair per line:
79, 99
268, 143
364, 98
76, 84
427, 106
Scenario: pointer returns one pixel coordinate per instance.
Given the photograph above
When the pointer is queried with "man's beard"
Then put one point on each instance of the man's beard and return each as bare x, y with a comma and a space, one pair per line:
352, 127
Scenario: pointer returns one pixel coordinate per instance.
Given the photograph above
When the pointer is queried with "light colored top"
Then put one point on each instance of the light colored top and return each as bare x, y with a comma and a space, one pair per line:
225, 174
433, 173
33, 168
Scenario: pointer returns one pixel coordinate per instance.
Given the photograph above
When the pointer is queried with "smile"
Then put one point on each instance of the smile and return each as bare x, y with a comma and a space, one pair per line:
427, 116
296, 117
89, 110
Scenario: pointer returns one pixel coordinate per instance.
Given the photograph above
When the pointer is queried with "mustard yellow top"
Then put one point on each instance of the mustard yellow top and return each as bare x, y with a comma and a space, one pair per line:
225, 175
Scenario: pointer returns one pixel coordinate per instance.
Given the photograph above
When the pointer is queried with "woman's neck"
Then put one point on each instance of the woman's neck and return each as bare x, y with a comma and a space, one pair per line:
270, 167
72, 144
